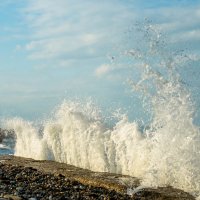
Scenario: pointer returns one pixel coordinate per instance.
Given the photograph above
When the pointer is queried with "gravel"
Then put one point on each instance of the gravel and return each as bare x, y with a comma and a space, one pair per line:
19, 183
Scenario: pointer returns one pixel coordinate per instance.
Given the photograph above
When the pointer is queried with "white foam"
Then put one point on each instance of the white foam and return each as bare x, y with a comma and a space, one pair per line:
2, 146
169, 156
167, 153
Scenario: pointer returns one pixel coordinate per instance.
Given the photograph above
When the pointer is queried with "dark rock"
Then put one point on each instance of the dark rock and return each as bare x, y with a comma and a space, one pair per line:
47, 180
5, 134
12, 197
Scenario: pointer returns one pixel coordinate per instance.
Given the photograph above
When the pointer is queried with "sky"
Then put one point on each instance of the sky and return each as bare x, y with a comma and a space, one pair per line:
55, 50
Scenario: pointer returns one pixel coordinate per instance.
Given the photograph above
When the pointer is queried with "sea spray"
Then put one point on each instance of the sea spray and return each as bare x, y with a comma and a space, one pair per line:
175, 150
165, 152
75, 137
167, 155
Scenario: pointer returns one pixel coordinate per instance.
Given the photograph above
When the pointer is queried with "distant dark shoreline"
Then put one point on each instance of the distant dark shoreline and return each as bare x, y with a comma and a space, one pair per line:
23, 178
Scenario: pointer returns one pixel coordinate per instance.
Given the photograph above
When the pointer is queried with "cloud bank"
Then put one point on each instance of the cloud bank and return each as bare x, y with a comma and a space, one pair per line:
65, 31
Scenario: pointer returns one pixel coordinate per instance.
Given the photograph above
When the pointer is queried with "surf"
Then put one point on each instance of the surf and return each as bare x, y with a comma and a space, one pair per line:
166, 151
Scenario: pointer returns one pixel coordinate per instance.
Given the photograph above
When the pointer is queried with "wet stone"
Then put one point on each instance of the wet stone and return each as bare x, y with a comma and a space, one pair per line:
27, 183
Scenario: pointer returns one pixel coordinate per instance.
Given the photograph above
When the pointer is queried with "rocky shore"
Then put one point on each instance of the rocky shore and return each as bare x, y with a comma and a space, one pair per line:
6, 134
22, 178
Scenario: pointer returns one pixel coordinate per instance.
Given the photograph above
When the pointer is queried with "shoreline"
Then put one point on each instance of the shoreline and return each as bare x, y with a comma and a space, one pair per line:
24, 178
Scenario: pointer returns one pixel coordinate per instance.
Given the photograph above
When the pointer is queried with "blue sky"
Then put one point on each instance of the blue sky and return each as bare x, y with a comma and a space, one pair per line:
54, 50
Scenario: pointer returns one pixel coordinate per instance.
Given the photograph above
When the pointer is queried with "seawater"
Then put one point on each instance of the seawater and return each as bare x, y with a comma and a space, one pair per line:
4, 149
165, 152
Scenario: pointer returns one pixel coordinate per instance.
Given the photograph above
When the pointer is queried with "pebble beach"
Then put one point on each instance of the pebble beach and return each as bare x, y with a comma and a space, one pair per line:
22, 179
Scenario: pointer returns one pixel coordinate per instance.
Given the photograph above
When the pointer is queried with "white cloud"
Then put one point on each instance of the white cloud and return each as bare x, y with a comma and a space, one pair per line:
89, 39
102, 70
76, 30
67, 28
187, 35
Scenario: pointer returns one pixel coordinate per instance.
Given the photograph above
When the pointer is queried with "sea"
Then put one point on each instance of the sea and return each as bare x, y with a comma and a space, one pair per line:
163, 150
